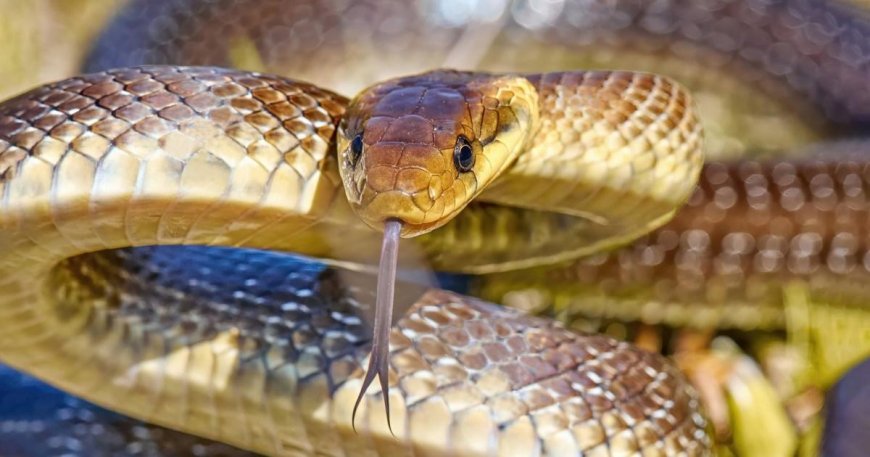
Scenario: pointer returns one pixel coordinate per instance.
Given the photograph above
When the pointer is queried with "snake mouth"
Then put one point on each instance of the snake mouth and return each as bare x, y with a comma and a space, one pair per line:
378, 209
410, 230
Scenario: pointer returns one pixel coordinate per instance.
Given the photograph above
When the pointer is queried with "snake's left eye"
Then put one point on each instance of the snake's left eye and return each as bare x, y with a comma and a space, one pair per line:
356, 147
463, 155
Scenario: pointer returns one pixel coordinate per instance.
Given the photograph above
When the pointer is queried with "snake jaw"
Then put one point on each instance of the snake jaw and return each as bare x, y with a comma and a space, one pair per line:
379, 364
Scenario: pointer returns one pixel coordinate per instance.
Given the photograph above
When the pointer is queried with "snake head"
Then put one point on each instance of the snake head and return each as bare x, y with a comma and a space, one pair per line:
418, 149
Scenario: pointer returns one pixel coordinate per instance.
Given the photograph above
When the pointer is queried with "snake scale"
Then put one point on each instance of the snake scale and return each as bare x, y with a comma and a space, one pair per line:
553, 34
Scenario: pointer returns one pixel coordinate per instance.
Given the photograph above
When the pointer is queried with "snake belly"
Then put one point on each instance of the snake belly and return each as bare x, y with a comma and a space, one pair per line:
192, 155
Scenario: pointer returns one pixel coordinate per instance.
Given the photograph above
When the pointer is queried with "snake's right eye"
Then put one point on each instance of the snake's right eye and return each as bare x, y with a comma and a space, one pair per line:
356, 147
463, 155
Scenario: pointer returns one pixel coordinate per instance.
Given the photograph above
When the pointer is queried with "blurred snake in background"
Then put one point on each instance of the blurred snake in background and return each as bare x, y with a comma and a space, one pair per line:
263, 351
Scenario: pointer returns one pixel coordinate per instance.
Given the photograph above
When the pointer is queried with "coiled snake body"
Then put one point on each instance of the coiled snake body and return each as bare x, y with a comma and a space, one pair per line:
170, 155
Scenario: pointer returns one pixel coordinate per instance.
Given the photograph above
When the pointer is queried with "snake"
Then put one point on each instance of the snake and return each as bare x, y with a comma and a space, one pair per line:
196, 183
466, 244
160, 155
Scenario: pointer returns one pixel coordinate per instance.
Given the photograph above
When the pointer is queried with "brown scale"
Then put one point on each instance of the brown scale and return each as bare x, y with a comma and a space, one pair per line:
748, 229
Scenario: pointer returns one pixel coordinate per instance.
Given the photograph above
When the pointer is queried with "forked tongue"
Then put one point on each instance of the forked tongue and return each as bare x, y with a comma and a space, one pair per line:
379, 361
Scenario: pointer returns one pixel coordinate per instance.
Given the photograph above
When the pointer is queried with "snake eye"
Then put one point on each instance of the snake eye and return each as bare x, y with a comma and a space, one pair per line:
463, 155
356, 147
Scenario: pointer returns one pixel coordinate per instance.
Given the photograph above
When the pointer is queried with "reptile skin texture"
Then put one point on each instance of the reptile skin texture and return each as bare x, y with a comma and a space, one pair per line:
180, 155
767, 76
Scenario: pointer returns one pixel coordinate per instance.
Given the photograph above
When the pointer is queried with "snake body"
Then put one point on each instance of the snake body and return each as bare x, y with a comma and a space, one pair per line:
813, 41
198, 155
791, 69
750, 228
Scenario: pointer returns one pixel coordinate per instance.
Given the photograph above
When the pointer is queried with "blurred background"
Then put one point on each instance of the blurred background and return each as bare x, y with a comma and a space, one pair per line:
46, 40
